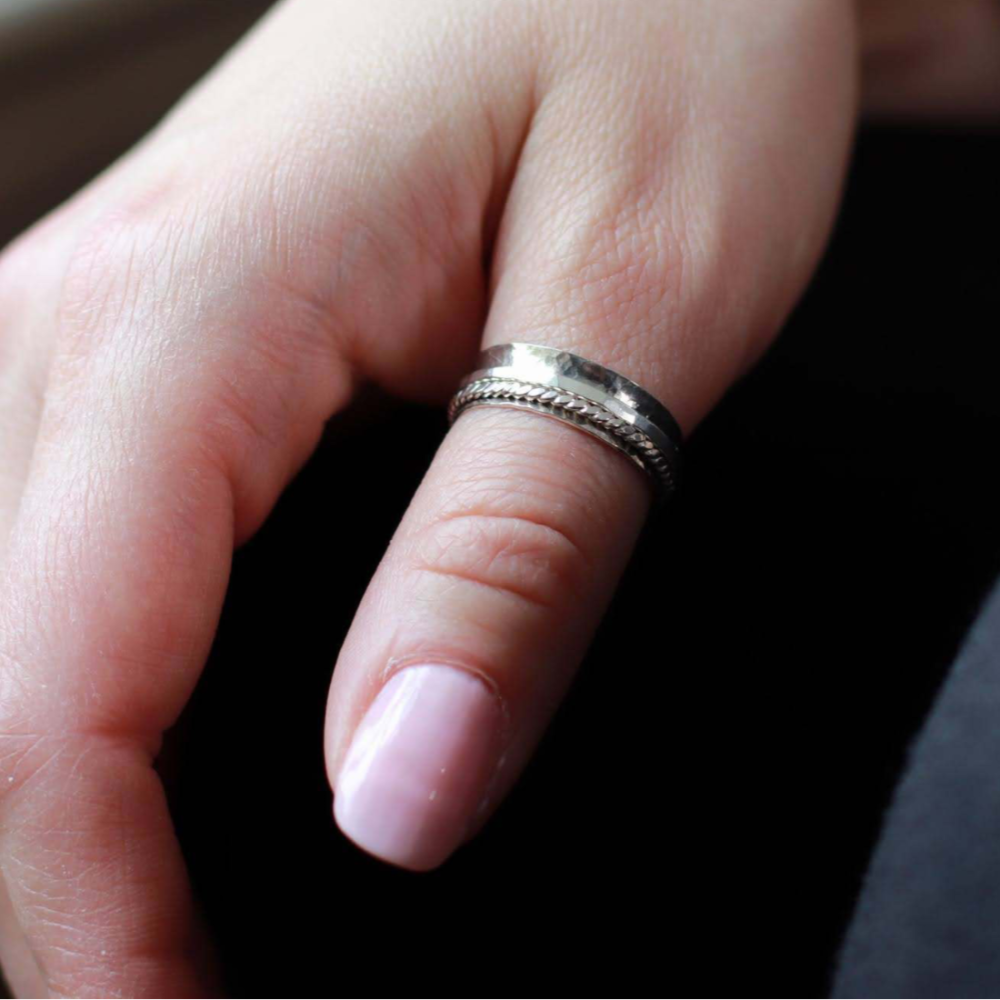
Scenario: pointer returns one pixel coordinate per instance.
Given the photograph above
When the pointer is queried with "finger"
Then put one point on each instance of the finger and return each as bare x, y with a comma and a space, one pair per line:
29, 282
21, 378
645, 240
215, 312
32, 269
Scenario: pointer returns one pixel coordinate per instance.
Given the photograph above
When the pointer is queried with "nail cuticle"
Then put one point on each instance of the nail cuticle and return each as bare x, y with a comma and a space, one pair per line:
421, 762
396, 664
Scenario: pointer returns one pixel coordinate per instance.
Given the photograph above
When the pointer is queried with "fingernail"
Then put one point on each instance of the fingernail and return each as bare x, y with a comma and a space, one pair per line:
419, 765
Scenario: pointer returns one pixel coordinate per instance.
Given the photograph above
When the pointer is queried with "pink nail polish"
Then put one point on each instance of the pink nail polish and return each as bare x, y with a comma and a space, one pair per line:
419, 765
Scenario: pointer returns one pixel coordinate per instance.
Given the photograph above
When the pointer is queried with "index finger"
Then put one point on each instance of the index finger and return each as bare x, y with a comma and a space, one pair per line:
637, 246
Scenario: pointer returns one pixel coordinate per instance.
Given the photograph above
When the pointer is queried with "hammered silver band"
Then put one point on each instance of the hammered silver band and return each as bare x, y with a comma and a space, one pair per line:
582, 393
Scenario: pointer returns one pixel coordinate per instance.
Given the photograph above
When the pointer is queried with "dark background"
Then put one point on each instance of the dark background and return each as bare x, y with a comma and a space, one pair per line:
699, 818
703, 808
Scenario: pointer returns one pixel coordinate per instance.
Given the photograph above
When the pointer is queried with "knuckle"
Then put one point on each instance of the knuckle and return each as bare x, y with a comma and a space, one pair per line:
523, 508
110, 282
141, 248
190, 285
77, 802
529, 561
508, 463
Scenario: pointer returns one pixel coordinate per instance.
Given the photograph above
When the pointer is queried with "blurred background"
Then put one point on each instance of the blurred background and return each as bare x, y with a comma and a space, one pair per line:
835, 536
81, 80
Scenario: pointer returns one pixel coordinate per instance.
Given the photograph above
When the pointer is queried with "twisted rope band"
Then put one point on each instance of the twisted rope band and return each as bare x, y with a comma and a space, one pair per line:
584, 413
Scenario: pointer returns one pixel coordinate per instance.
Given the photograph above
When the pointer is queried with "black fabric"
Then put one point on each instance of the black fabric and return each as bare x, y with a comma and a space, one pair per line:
699, 819
929, 920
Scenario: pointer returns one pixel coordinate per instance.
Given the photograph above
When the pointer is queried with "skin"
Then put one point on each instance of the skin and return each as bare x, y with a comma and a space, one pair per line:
369, 193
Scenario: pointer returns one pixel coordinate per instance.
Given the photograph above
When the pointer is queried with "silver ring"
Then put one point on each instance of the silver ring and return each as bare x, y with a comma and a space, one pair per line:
582, 393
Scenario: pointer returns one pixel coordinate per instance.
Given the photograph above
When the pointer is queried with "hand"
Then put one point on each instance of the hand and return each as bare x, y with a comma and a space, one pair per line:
651, 184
